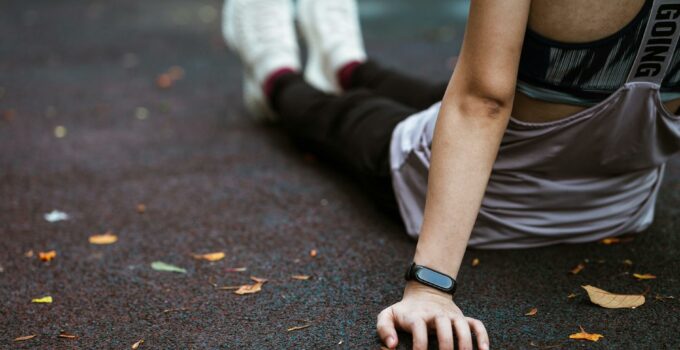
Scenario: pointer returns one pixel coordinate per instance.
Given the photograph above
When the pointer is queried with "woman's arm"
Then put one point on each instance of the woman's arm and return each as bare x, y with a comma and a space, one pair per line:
471, 123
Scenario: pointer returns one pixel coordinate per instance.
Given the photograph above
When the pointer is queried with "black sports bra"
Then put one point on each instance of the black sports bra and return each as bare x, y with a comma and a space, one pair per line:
587, 72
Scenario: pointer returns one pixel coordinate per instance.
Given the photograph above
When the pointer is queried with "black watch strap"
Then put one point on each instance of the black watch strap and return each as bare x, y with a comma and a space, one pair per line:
431, 278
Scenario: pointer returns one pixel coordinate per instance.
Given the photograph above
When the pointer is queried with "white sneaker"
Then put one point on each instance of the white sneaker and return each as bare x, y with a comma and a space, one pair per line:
262, 33
333, 34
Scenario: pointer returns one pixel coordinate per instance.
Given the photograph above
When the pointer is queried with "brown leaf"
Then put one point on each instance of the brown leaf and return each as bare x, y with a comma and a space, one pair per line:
644, 276
67, 336
47, 256
585, 335
475, 262
578, 268
301, 277
628, 262
103, 239
176, 72
613, 301
216, 256
137, 344
531, 312
297, 328
249, 288
313, 253
164, 81
571, 296
25, 337
258, 280
610, 240
663, 297
141, 208
228, 287
29, 254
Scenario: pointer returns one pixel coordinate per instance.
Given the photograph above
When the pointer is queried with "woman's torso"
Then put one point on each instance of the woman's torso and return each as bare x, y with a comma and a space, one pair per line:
574, 21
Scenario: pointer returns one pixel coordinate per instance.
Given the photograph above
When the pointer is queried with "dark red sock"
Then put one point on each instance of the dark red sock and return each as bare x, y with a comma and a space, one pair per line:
269, 82
345, 74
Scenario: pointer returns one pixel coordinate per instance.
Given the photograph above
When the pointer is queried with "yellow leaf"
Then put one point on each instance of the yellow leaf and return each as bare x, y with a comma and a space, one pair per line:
105, 238
644, 276
475, 262
301, 277
25, 337
249, 288
613, 301
44, 300
610, 241
136, 345
586, 336
216, 256
531, 312
297, 328
47, 256
578, 268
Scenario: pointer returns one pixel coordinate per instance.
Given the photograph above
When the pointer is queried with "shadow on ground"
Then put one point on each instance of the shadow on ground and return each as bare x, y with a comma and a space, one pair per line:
212, 180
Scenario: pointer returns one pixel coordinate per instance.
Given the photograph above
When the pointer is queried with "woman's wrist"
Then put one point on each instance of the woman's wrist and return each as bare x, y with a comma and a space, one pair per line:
414, 289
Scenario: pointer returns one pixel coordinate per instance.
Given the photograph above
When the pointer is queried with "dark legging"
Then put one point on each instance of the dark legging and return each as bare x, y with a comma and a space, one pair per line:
355, 128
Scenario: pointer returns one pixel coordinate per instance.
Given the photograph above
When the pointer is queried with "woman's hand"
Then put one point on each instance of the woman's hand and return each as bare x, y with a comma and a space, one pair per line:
424, 308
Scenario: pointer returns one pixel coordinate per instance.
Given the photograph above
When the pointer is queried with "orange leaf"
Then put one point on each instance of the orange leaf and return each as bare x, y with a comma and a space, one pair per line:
136, 345
610, 240
25, 337
613, 301
644, 276
47, 256
301, 277
475, 262
104, 238
313, 253
216, 256
164, 81
67, 336
531, 312
586, 336
249, 288
578, 268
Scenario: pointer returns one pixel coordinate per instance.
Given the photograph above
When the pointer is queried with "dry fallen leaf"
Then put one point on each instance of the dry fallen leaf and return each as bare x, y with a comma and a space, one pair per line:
313, 253
164, 81
571, 296
301, 277
237, 269
249, 288
104, 238
137, 344
216, 256
531, 312
578, 268
628, 262
297, 328
644, 276
29, 254
585, 335
44, 300
613, 301
610, 240
67, 336
663, 298
25, 337
258, 280
141, 208
475, 262
176, 72
47, 256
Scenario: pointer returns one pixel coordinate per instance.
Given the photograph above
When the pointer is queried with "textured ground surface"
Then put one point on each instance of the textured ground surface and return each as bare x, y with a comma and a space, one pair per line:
213, 180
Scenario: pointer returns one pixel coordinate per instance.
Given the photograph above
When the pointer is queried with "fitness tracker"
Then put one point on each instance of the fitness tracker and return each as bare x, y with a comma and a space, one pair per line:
431, 278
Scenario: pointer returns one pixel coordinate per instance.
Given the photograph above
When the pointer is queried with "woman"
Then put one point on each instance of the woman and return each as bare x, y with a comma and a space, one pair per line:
580, 159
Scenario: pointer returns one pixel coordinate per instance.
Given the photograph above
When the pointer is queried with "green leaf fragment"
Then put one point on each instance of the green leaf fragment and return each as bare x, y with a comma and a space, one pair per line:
161, 266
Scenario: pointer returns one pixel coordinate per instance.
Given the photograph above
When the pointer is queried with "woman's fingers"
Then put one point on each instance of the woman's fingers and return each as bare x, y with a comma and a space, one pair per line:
386, 330
480, 332
444, 333
463, 333
419, 332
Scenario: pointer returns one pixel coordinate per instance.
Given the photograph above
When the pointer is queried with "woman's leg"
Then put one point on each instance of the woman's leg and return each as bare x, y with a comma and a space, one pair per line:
354, 129
410, 91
